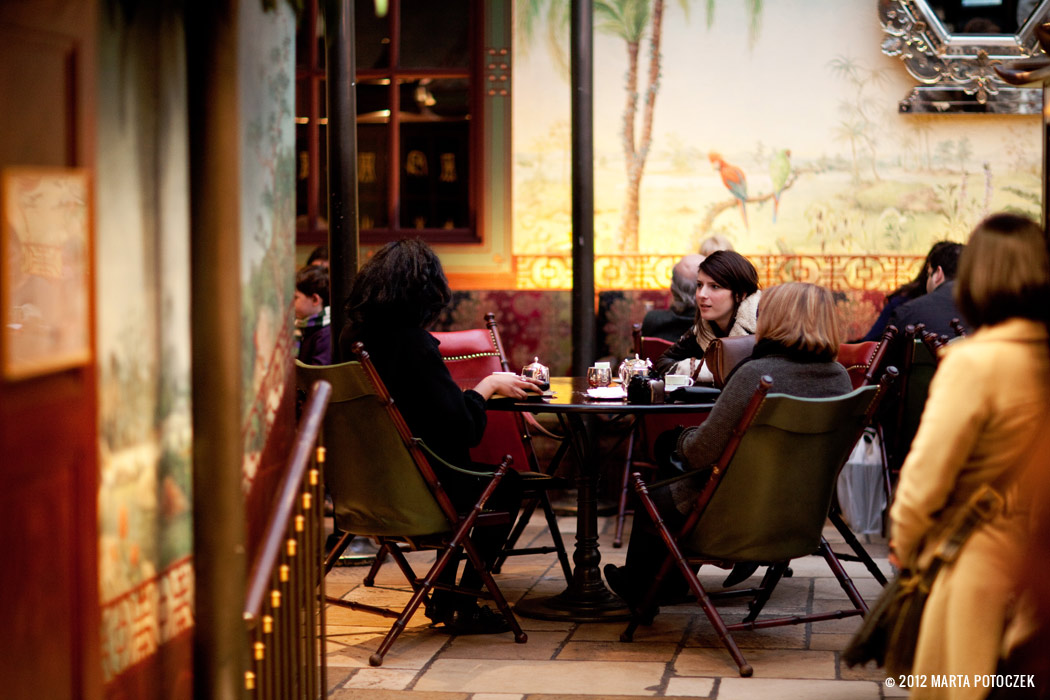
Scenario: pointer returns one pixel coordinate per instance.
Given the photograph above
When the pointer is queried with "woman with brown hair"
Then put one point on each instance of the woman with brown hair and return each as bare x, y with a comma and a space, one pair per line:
986, 407
727, 298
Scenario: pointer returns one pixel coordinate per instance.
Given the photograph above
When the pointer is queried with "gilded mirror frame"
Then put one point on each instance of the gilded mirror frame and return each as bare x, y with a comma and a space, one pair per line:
956, 71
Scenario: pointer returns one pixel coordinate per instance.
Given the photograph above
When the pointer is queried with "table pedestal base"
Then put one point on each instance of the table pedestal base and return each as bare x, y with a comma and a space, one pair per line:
595, 606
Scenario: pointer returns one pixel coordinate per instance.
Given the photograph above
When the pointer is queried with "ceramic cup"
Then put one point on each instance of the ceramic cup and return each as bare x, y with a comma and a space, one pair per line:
673, 381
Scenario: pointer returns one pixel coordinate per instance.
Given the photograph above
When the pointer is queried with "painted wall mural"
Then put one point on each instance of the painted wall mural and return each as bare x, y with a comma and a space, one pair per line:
772, 123
145, 436
267, 212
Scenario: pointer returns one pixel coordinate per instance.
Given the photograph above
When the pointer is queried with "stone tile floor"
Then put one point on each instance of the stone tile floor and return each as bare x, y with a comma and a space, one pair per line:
678, 656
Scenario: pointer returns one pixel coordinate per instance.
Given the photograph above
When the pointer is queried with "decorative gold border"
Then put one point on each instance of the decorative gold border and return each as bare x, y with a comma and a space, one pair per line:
612, 272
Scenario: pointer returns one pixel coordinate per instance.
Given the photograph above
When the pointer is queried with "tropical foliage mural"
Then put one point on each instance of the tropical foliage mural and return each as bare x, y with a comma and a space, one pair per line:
772, 123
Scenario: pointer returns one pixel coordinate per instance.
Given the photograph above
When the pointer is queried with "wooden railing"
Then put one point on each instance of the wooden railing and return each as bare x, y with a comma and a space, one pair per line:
284, 620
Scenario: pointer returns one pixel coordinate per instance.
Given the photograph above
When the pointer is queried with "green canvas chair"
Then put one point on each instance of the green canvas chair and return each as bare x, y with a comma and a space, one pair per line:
470, 355
766, 502
384, 487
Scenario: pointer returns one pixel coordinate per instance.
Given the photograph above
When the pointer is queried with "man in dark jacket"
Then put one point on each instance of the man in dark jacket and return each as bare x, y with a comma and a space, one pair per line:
936, 308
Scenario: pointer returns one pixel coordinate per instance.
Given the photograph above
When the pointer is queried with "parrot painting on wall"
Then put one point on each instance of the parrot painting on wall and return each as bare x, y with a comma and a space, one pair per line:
779, 171
734, 180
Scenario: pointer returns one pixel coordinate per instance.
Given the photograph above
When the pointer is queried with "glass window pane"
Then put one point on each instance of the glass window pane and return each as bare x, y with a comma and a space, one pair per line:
435, 34
435, 174
373, 159
373, 101
373, 37
435, 99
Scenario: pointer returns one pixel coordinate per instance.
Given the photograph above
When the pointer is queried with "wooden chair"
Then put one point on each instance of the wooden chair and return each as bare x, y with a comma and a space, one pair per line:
866, 363
649, 347
900, 420
384, 487
645, 430
766, 502
475, 353
471, 355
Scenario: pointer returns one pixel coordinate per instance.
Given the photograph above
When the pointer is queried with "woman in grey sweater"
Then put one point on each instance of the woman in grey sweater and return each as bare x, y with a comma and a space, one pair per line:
797, 339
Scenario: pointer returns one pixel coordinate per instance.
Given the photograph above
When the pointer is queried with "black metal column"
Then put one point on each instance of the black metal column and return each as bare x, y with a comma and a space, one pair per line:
341, 91
220, 644
582, 69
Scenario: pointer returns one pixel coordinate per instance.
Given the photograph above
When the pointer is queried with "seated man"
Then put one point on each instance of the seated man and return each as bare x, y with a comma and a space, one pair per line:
937, 307
671, 323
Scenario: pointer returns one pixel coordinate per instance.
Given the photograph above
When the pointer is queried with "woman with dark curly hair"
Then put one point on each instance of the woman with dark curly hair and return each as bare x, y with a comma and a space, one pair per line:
395, 296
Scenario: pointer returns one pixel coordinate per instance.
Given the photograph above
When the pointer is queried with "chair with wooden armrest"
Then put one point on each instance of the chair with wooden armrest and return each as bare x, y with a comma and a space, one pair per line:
765, 503
900, 420
645, 430
475, 353
866, 362
470, 355
383, 487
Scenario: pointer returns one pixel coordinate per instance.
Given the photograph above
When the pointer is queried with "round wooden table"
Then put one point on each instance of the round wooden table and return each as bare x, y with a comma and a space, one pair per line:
586, 599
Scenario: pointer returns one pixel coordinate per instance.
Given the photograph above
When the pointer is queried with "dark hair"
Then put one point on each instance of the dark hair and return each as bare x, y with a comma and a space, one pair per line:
1004, 272
733, 271
917, 286
313, 279
318, 254
403, 284
945, 255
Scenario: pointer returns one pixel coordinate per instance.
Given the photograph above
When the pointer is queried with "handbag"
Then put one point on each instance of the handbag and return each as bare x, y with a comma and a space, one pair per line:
891, 628
724, 354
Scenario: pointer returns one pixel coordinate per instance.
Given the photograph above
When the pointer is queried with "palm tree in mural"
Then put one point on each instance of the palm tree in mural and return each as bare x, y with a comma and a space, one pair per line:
628, 20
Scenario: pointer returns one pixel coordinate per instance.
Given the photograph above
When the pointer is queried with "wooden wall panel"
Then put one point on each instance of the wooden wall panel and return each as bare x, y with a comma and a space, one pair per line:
48, 452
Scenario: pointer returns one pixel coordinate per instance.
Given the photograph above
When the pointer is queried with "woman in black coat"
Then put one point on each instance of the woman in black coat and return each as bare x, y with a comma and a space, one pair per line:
395, 296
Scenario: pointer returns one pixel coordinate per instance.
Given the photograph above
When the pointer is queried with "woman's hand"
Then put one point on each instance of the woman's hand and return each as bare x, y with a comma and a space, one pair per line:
507, 384
894, 561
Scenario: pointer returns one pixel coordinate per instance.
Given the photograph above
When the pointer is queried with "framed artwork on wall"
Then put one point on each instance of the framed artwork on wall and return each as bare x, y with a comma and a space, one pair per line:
45, 252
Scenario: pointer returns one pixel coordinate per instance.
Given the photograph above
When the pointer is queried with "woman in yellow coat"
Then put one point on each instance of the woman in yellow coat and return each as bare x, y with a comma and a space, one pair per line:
987, 403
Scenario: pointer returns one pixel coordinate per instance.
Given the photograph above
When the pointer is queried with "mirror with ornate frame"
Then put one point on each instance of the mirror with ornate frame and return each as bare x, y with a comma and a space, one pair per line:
941, 46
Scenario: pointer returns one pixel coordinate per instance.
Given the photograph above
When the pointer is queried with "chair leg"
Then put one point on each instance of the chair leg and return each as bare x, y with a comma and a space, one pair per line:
370, 577
497, 595
512, 539
559, 543
772, 577
854, 544
844, 580
621, 511
421, 589
337, 551
675, 557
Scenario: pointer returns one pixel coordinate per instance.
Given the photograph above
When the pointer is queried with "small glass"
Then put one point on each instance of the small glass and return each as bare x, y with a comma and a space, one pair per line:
598, 376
